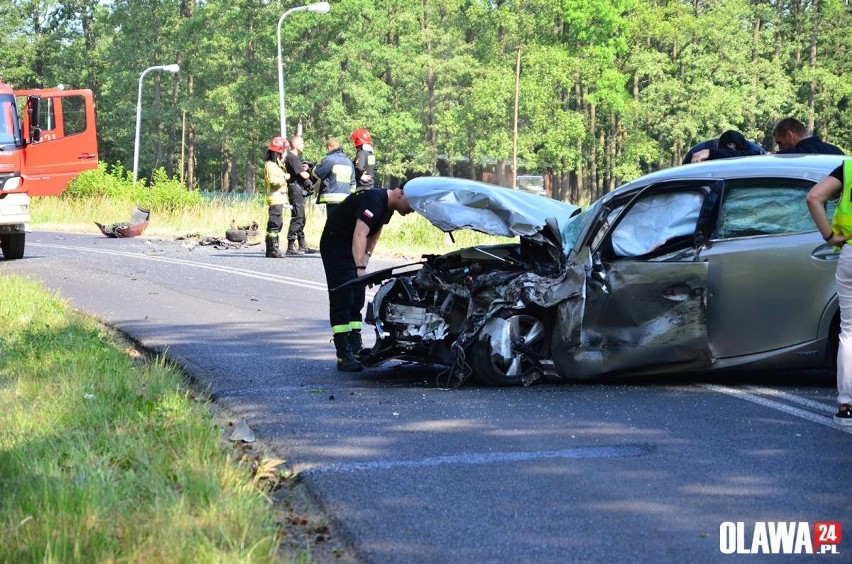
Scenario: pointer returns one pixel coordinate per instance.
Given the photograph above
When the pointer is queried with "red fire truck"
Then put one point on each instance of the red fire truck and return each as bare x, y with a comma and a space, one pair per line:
42, 148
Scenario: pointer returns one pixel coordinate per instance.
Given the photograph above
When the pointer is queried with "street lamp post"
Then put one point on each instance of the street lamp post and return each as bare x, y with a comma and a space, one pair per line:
167, 68
319, 8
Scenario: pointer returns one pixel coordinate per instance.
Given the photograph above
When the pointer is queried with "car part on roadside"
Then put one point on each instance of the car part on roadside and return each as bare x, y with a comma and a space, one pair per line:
239, 234
223, 244
139, 218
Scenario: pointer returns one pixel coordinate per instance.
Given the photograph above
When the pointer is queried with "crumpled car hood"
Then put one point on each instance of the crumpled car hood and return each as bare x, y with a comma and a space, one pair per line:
451, 204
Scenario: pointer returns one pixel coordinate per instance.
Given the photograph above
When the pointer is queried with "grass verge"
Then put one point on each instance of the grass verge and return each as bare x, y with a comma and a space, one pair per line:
107, 457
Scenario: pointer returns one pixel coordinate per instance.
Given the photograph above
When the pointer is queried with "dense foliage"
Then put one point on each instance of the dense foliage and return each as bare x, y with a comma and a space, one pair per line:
609, 89
164, 194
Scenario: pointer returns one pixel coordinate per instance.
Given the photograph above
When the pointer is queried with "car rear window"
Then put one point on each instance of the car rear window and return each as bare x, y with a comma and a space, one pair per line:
764, 207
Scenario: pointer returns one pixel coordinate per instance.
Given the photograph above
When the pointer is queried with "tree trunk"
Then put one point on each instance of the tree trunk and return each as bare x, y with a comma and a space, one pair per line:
812, 66
187, 7
226, 168
234, 184
191, 158
86, 21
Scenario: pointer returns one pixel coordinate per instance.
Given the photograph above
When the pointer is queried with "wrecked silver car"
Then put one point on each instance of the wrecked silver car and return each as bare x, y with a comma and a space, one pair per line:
694, 268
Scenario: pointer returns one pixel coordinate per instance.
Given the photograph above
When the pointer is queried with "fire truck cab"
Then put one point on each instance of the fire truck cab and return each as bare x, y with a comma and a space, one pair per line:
43, 147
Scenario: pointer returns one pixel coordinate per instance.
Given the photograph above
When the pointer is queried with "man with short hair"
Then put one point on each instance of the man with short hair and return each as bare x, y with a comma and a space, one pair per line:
791, 136
336, 174
297, 191
351, 232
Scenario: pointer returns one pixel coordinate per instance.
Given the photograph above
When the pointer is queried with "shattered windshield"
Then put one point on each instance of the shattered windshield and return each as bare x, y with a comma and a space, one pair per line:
10, 132
577, 226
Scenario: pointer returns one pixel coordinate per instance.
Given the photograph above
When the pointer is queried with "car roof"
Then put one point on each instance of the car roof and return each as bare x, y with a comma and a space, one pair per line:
803, 166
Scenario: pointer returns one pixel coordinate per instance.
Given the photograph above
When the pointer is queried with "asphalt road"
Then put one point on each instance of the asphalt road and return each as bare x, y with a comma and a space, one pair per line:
643, 470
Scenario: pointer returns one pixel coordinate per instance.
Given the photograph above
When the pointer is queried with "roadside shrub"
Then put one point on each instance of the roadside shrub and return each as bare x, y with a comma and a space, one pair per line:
164, 194
167, 193
99, 182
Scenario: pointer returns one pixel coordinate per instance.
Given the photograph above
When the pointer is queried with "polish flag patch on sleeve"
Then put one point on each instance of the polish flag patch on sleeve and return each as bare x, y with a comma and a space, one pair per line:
368, 214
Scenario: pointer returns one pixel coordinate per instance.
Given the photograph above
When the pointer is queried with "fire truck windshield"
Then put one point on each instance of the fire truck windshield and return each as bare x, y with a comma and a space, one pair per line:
10, 129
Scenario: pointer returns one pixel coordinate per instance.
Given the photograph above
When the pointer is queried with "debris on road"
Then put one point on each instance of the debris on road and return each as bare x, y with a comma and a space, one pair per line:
242, 432
139, 218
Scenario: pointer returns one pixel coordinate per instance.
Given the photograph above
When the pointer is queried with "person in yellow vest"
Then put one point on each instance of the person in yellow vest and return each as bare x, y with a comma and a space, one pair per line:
276, 178
838, 232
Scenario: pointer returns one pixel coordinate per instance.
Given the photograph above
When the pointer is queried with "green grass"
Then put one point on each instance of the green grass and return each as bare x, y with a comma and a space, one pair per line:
104, 457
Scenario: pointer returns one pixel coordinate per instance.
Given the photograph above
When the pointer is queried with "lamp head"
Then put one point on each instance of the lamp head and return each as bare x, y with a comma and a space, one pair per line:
172, 68
319, 7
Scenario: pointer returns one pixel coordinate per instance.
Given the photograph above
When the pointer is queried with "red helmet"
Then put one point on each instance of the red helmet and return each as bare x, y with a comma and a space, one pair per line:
279, 144
361, 136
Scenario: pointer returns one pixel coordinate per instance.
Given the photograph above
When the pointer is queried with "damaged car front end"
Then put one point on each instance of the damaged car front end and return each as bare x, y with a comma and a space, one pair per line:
696, 268
485, 311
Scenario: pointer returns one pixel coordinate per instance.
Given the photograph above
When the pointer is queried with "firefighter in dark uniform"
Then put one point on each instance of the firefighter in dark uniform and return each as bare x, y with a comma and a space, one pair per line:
336, 174
298, 189
365, 160
348, 239
276, 178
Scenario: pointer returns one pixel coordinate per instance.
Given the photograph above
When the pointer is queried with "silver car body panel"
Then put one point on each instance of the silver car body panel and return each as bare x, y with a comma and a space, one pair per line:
776, 279
451, 204
646, 314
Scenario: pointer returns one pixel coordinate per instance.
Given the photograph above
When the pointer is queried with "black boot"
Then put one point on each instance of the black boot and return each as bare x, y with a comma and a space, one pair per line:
346, 361
292, 249
356, 345
304, 248
272, 250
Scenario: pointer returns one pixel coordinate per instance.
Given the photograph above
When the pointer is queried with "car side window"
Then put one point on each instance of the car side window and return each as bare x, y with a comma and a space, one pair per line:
656, 222
764, 207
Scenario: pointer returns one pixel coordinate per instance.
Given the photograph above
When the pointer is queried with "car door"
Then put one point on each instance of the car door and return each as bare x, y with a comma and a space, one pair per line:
68, 143
645, 305
772, 276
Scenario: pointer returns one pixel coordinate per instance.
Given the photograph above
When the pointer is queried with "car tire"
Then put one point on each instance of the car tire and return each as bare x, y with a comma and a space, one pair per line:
236, 235
492, 368
12, 245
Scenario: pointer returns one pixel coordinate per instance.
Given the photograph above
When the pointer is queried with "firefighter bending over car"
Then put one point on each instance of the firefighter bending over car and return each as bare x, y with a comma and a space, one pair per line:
351, 232
276, 183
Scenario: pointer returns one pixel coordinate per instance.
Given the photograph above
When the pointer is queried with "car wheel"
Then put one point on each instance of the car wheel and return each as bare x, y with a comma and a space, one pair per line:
236, 235
496, 359
12, 245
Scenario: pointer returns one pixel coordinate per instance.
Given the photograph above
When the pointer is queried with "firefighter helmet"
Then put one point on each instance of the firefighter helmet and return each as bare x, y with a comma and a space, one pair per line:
361, 136
278, 144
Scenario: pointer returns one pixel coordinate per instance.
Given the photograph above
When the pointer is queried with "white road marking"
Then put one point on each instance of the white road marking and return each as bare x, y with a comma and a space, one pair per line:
788, 409
276, 278
619, 451
819, 406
